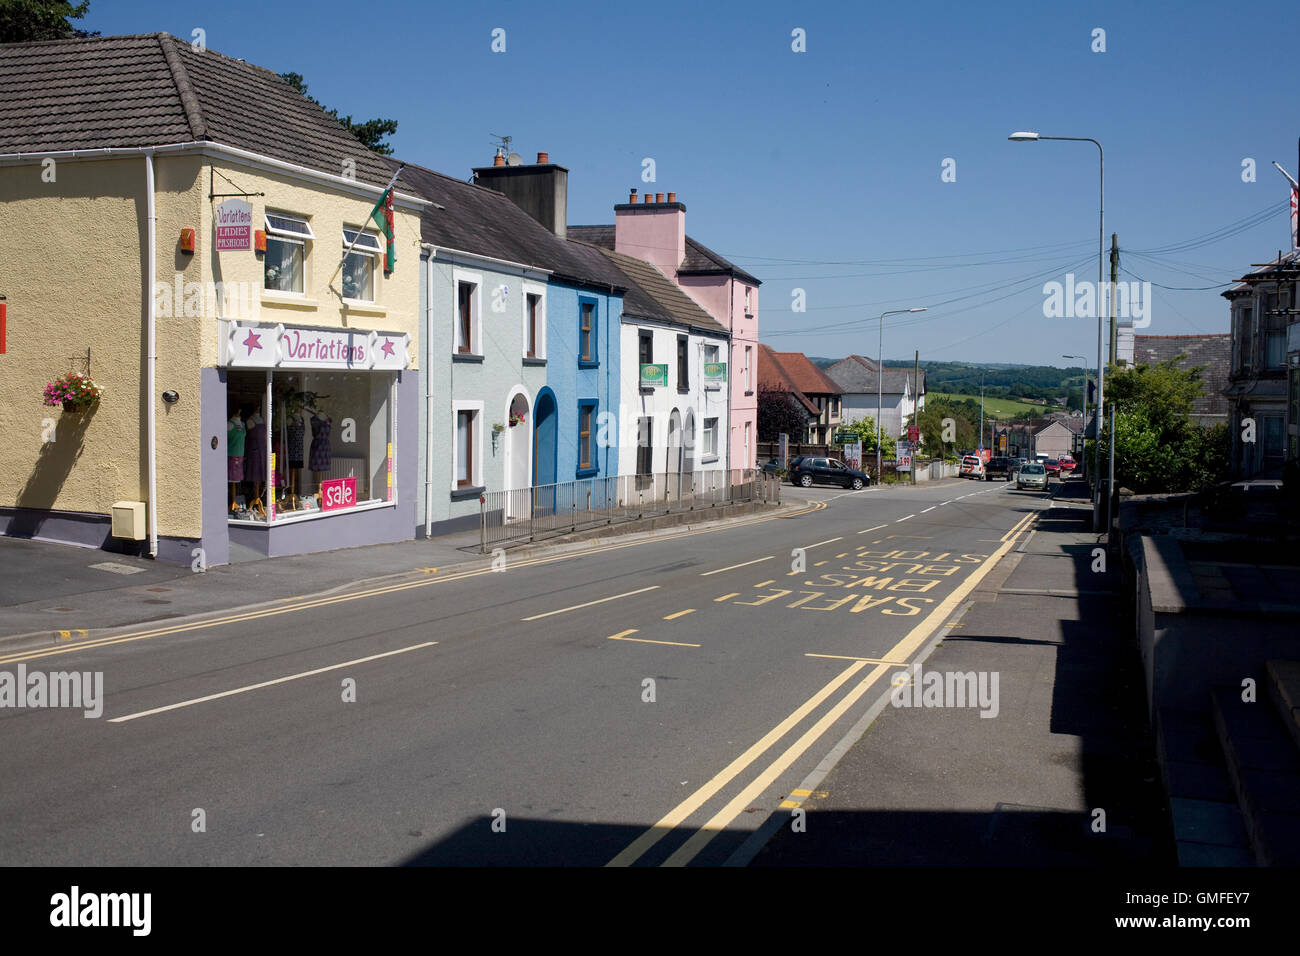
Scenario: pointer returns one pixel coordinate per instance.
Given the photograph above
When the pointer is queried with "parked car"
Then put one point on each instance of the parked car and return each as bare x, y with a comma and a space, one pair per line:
971, 467
1053, 466
773, 467
998, 468
809, 470
1068, 464
1033, 475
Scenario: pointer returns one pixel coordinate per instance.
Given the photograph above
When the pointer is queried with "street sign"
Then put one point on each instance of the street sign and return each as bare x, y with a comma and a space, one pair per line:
842, 437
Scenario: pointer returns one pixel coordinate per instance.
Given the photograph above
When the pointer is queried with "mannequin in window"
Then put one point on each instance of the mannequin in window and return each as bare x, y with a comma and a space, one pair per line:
297, 430
321, 457
235, 434
255, 460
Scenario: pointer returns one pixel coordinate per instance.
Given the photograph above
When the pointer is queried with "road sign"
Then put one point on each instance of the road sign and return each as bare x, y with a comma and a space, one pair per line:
844, 437
913, 433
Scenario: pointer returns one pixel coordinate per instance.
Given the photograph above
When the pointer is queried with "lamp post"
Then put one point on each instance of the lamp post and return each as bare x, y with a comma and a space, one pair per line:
1026, 137
880, 378
1082, 358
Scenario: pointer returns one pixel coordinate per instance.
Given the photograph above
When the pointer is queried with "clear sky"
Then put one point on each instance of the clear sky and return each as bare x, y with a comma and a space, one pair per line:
821, 170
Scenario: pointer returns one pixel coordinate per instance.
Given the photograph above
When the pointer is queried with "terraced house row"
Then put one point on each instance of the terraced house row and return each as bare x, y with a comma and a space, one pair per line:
231, 331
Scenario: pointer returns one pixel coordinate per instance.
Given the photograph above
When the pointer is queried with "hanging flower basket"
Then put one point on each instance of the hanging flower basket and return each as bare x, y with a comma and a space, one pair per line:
517, 419
74, 391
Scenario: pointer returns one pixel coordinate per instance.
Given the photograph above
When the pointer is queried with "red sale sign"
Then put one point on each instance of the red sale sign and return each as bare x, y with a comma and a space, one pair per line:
338, 493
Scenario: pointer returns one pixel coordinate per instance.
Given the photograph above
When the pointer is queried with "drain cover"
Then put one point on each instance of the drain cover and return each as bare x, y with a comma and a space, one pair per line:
114, 568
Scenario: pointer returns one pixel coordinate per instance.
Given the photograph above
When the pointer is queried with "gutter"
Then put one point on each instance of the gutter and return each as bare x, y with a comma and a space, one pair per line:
425, 333
208, 148
151, 228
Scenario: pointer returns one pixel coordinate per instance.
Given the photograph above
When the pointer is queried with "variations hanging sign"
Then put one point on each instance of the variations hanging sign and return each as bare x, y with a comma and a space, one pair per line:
234, 224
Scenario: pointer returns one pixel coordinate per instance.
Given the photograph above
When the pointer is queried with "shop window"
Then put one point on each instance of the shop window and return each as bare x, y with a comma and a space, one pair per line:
284, 262
320, 447
359, 265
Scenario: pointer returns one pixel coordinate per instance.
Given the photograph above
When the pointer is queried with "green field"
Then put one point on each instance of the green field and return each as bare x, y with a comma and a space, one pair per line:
998, 407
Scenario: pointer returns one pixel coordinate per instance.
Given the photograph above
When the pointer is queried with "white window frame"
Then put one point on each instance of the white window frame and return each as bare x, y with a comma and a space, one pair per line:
748, 305
476, 320
367, 245
292, 237
749, 368
710, 439
476, 466
539, 290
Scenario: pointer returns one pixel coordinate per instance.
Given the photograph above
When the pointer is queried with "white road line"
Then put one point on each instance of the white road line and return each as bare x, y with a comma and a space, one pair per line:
931, 508
268, 683
579, 607
905, 518
820, 543
705, 574
876, 528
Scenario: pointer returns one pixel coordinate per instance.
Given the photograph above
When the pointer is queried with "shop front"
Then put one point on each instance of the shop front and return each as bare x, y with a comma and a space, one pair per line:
312, 439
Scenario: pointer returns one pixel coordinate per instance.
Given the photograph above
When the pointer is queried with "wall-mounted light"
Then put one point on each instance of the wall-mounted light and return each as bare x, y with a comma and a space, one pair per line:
259, 240
171, 396
187, 241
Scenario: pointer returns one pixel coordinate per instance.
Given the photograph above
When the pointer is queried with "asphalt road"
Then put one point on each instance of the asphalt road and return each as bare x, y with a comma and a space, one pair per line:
641, 704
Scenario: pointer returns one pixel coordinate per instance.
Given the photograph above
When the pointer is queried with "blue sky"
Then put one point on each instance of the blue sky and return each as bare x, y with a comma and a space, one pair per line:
822, 170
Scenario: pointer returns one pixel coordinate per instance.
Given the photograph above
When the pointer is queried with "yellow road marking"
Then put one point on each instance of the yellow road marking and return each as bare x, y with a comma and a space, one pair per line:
268, 683
901, 651
579, 607
765, 583
673, 617
733, 567
622, 636
638, 847
868, 660
726, 597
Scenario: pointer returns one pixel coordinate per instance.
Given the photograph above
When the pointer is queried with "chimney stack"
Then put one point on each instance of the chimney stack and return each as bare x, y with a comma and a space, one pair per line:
659, 197
542, 190
672, 197
543, 159
498, 160
632, 197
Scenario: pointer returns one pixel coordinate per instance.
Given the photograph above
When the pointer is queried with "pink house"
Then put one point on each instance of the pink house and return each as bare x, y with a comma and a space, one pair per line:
654, 230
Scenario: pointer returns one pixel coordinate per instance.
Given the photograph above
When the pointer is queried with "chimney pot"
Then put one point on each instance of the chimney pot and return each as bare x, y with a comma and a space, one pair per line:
498, 160
672, 197
632, 198
543, 159
659, 197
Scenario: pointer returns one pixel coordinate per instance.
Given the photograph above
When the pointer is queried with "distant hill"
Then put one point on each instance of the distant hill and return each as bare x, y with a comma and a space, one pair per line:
1027, 383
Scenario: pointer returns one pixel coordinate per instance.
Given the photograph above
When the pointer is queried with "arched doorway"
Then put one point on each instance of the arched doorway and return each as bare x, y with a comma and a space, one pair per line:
546, 434
518, 451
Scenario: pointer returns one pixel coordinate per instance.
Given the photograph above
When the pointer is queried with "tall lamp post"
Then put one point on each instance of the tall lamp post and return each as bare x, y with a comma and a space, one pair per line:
1026, 137
880, 377
1082, 358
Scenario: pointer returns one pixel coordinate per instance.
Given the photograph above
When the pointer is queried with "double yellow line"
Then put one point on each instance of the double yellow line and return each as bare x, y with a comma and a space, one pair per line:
897, 656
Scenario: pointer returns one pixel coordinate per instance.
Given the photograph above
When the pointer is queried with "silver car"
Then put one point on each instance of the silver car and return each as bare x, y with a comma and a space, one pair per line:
1032, 475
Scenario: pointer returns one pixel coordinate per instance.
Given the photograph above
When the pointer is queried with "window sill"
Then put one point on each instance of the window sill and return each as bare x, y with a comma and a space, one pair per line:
464, 494
532, 362
749, 315
586, 473
290, 299
294, 517
683, 389
363, 308
468, 357
749, 394
713, 388
709, 461
582, 364
646, 389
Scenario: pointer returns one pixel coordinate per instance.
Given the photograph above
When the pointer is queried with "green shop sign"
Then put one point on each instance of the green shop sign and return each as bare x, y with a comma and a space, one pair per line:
715, 372
653, 375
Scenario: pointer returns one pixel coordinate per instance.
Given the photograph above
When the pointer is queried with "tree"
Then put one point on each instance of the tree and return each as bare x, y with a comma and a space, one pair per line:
779, 411
22, 21
1158, 448
931, 421
370, 132
865, 430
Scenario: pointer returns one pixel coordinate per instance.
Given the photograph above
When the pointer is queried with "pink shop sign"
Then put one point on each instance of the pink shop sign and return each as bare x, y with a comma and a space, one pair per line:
338, 493
234, 222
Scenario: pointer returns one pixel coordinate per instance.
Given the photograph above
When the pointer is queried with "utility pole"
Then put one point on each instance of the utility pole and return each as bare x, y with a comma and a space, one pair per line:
916, 398
1114, 278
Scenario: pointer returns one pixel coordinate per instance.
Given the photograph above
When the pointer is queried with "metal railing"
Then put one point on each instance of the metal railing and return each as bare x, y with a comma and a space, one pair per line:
526, 514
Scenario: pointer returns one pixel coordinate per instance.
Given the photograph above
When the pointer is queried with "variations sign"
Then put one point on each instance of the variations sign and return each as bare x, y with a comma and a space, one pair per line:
295, 346
234, 226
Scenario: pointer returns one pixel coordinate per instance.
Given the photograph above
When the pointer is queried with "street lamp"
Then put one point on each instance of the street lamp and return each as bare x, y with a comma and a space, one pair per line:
1028, 137
880, 377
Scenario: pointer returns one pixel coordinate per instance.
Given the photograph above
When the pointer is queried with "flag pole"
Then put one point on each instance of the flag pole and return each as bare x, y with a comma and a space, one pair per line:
348, 251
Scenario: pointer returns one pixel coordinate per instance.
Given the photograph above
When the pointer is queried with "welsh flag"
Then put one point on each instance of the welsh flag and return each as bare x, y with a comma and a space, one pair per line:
382, 216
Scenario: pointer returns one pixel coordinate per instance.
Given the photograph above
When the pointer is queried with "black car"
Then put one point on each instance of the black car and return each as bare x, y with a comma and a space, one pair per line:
773, 467
998, 468
809, 470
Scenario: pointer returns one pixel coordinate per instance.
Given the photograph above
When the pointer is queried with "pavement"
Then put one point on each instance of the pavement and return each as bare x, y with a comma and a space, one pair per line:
1063, 775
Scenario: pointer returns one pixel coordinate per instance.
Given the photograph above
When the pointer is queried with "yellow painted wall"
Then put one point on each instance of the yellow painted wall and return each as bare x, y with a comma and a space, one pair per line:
72, 270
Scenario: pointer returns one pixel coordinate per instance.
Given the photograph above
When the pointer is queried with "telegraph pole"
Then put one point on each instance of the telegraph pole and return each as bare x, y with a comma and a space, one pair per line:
1114, 278
916, 407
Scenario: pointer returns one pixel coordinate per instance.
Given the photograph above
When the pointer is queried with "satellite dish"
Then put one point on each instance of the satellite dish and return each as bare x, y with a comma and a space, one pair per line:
514, 159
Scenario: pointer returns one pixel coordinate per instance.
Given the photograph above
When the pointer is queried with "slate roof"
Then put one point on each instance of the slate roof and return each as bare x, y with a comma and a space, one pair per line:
772, 374
486, 222
1212, 351
857, 375
699, 259
652, 296
153, 90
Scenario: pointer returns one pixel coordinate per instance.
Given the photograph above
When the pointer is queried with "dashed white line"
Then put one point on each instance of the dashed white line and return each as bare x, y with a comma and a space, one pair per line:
876, 528
578, 607
905, 518
931, 508
820, 543
705, 574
